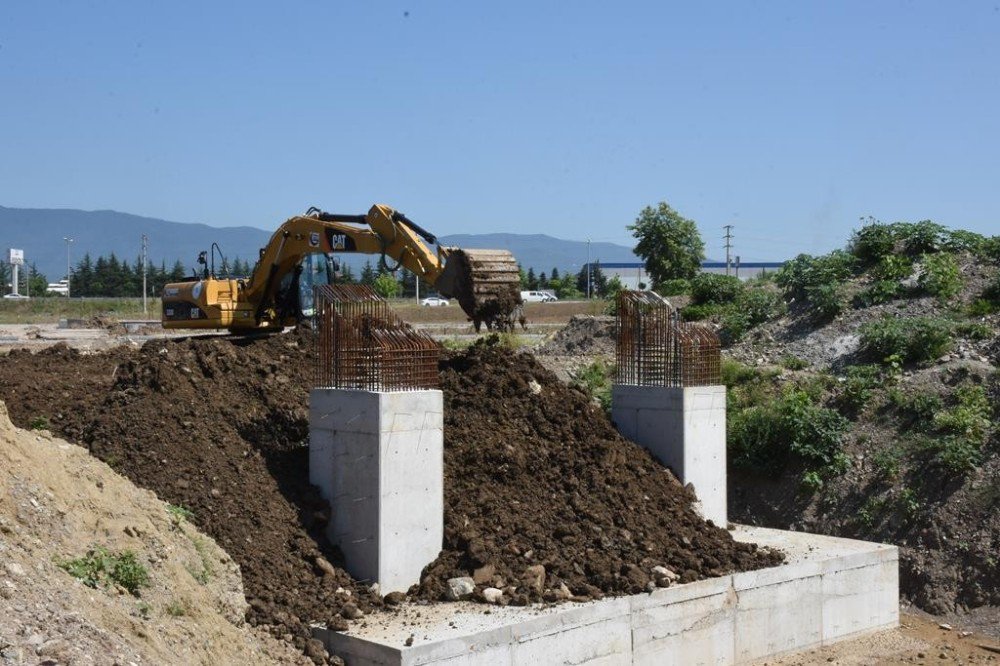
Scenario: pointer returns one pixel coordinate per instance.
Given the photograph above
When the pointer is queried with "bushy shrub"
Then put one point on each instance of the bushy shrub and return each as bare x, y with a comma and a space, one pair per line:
715, 288
677, 287
698, 312
859, 383
826, 301
893, 268
924, 237
753, 307
961, 430
877, 293
766, 437
971, 330
941, 276
990, 249
805, 271
959, 240
910, 339
873, 242
991, 296
595, 379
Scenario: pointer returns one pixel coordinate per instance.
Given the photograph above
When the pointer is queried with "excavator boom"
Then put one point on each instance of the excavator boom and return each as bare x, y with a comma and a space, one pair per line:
485, 282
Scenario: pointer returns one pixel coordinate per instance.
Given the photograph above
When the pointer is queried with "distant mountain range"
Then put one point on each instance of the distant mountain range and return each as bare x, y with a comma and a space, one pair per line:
40, 232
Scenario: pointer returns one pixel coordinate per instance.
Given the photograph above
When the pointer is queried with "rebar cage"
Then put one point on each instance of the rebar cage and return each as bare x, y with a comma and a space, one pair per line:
655, 348
363, 344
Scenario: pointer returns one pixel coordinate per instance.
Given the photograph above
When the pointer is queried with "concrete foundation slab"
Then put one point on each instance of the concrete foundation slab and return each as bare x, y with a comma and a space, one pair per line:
378, 458
829, 589
685, 428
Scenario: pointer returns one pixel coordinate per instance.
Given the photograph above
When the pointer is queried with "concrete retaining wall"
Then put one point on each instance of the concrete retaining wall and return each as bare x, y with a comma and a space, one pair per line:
828, 590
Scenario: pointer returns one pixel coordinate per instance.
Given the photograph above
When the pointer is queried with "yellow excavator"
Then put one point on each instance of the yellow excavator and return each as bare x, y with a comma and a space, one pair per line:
301, 255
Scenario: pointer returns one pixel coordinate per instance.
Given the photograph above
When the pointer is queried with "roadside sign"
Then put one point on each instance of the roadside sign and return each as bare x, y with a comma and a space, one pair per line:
16, 257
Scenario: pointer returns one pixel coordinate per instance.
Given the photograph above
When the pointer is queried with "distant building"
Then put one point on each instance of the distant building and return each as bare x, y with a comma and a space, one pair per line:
633, 274
60, 288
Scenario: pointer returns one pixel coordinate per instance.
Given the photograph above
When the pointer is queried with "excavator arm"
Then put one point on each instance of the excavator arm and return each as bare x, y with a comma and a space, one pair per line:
485, 282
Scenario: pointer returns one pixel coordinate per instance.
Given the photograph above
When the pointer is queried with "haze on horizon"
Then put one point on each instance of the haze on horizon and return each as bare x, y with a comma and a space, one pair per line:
788, 120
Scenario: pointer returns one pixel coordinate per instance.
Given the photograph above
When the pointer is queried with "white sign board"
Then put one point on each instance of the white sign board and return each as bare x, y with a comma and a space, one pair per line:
16, 257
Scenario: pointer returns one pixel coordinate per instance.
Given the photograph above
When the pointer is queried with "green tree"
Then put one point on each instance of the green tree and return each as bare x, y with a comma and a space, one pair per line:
565, 287
386, 285
596, 277
532, 279
38, 284
543, 282
368, 274
177, 273
668, 243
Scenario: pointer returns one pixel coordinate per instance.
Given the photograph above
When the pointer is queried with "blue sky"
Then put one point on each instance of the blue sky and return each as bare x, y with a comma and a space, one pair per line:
789, 120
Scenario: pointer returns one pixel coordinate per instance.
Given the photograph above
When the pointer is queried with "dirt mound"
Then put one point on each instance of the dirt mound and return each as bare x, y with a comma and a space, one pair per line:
584, 335
536, 475
56, 503
218, 427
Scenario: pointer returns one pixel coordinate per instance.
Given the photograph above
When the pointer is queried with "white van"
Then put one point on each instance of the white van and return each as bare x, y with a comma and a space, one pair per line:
537, 297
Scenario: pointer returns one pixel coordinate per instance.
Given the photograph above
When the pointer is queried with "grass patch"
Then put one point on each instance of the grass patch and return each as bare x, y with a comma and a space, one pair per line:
52, 309
180, 513
39, 423
207, 570
101, 568
178, 608
791, 362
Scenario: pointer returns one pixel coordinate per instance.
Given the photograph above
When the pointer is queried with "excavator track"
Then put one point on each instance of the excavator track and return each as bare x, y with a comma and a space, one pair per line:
486, 284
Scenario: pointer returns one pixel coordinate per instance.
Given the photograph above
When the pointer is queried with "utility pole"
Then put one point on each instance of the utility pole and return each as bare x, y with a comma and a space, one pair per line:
68, 269
145, 248
588, 269
418, 288
729, 244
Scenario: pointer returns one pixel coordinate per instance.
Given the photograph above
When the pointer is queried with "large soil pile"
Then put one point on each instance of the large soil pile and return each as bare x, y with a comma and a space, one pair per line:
536, 475
57, 503
217, 427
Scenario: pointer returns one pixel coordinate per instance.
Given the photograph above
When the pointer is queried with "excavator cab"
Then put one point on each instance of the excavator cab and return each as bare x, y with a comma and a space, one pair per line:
295, 297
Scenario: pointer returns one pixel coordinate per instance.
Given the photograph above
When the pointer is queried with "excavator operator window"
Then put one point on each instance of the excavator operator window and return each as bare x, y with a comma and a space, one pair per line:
317, 269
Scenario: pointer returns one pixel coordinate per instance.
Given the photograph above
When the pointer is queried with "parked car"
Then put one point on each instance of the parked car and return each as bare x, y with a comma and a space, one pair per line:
538, 296
17, 297
434, 301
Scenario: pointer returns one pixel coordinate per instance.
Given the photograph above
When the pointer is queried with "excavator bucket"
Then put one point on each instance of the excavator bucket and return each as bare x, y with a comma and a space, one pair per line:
486, 284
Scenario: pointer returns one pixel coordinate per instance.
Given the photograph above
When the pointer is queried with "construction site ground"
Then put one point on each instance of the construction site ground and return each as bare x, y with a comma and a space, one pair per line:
81, 384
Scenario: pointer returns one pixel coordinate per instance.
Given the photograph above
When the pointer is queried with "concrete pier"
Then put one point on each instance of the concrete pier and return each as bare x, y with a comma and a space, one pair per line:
377, 457
685, 428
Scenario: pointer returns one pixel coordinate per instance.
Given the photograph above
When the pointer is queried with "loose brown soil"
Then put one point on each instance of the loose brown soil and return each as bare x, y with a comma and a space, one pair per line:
533, 475
536, 474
